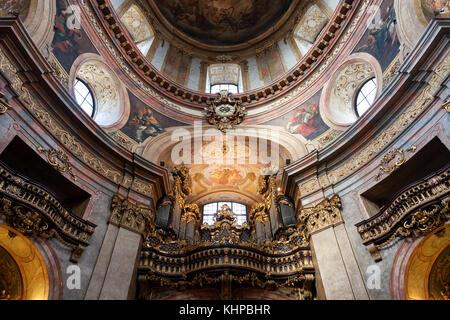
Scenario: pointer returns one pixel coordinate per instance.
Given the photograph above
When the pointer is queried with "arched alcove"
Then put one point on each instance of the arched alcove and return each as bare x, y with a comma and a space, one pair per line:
110, 95
337, 102
421, 267
24, 274
40, 22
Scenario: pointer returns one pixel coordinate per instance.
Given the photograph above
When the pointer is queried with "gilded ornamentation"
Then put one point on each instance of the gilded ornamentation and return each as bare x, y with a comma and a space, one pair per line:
426, 220
3, 104
321, 216
258, 213
124, 140
349, 80
132, 216
224, 230
59, 160
416, 211
182, 184
25, 221
268, 189
59, 71
191, 213
393, 160
446, 106
309, 186
391, 71
142, 187
32, 210
204, 279
225, 112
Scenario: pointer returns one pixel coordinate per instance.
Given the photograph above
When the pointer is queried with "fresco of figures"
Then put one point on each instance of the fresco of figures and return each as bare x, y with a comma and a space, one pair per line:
144, 122
305, 120
434, 8
223, 22
381, 39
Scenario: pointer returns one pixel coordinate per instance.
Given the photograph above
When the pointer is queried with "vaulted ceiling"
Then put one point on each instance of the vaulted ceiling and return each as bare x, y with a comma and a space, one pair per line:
223, 22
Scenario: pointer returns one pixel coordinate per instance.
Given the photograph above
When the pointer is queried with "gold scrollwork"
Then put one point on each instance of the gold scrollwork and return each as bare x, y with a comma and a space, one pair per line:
446, 106
393, 160
225, 112
4, 106
23, 220
321, 216
416, 211
32, 210
422, 222
132, 216
59, 160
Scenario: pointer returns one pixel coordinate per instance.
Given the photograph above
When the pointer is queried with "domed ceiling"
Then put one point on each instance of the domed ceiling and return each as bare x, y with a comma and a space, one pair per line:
223, 22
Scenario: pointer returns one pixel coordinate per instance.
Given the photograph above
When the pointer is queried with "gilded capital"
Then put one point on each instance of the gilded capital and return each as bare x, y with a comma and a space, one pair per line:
321, 216
132, 216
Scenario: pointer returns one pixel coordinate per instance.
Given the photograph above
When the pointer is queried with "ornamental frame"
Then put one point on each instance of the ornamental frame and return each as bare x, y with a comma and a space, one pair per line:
225, 112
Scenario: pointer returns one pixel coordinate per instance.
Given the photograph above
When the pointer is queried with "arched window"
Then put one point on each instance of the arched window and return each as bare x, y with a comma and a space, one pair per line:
210, 209
84, 97
365, 97
231, 88
227, 76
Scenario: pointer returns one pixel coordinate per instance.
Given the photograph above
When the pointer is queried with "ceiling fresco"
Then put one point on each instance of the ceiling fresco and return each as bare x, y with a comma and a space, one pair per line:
432, 8
223, 22
20, 7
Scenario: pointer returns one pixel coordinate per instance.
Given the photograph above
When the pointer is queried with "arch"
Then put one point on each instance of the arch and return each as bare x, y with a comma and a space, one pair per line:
40, 22
292, 146
337, 100
25, 265
411, 23
413, 273
112, 101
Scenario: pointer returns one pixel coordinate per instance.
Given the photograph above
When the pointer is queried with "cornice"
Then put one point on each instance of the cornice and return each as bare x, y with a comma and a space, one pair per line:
195, 100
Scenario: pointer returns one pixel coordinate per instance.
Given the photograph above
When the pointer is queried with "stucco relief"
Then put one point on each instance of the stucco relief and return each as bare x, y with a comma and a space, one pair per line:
338, 97
349, 79
111, 99
136, 24
312, 23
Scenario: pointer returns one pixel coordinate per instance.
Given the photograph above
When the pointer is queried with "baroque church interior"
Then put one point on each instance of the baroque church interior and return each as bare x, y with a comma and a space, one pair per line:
224, 150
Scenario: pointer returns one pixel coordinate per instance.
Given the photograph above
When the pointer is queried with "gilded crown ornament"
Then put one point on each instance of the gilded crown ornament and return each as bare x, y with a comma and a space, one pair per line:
225, 112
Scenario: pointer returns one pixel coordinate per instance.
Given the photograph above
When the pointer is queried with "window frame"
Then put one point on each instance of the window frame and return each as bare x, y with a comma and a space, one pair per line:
218, 208
224, 84
359, 91
91, 92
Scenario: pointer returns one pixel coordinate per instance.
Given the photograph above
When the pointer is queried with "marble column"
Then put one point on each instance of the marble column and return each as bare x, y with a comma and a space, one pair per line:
334, 259
115, 271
